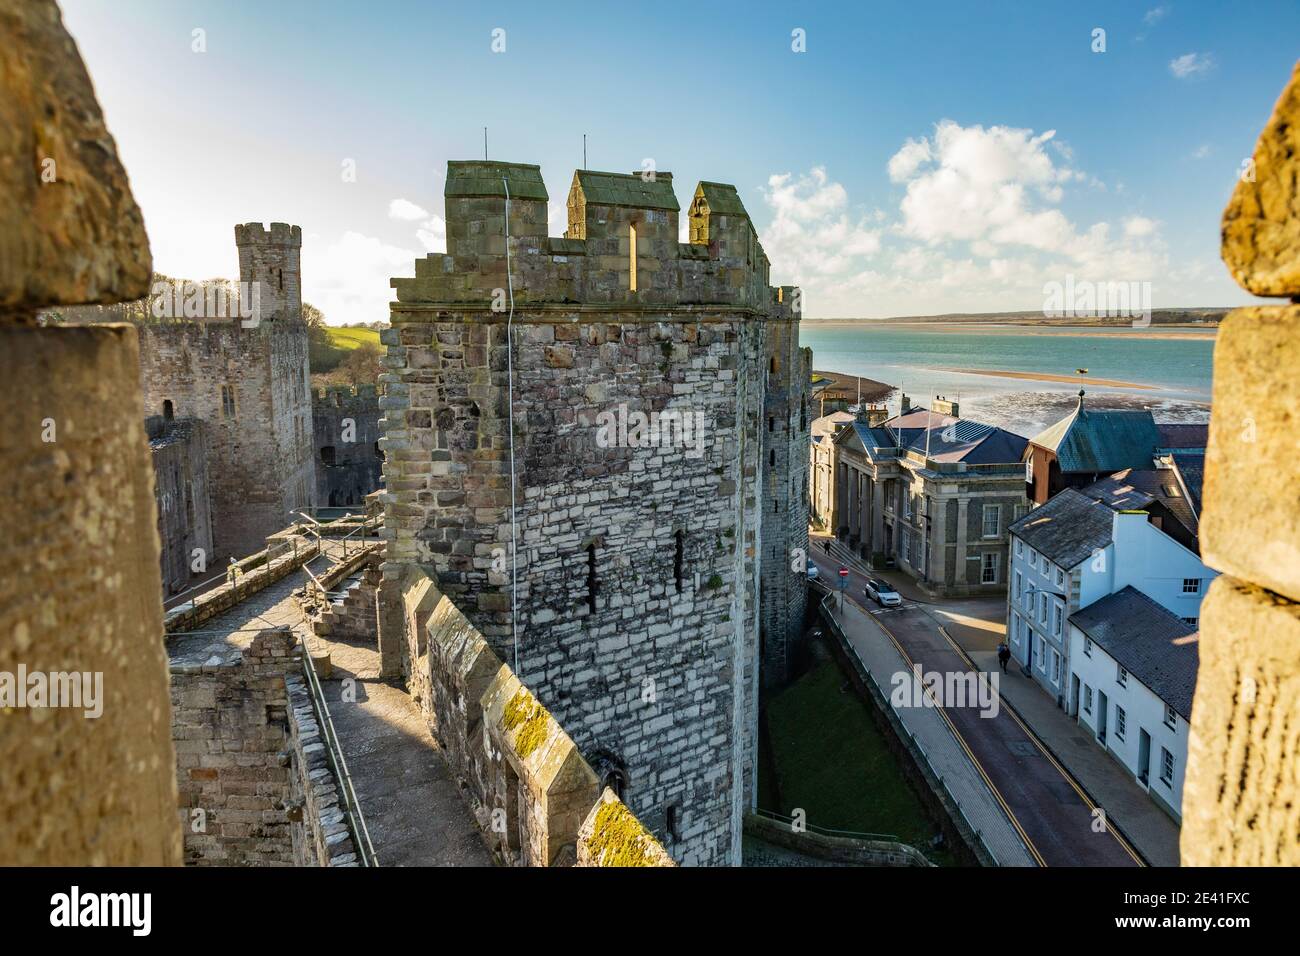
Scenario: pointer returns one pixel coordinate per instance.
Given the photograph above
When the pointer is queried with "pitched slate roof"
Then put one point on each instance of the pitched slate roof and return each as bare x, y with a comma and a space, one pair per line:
1191, 468
950, 439
1183, 436
722, 198
1068, 529
1147, 641
627, 189
1136, 489
479, 177
1096, 440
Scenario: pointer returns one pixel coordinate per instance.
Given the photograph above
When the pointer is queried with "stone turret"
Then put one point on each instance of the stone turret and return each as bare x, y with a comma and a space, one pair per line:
650, 563
272, 258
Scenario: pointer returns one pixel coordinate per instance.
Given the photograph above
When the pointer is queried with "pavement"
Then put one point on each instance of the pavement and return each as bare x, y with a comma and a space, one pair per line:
966, 631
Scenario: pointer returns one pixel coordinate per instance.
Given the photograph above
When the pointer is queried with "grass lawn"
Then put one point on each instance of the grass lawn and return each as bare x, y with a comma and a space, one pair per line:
828, 757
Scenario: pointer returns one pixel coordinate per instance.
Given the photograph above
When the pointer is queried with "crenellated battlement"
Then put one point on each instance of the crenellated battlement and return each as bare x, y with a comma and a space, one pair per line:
621, 247
280, 234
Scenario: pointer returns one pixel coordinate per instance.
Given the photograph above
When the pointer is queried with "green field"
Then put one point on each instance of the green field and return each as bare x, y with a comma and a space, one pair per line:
329, 349
346, 340
828, 757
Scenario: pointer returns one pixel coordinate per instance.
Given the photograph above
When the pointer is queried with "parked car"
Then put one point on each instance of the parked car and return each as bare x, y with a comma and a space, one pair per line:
883, 593
813, 573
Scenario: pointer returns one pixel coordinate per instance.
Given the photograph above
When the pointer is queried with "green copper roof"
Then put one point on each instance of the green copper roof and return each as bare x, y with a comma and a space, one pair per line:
627, 189
723, 199
1100, 440
479, 177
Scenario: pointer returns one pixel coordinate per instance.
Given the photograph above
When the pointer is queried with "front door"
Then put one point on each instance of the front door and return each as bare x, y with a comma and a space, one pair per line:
1103, 712
1144, 757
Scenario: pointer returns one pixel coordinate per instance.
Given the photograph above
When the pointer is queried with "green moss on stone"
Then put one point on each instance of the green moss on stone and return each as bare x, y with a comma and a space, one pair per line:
619, 839
714, 582
525, 713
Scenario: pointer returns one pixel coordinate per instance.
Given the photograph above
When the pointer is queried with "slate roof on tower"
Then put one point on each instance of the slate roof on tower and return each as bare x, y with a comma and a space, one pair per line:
627, 189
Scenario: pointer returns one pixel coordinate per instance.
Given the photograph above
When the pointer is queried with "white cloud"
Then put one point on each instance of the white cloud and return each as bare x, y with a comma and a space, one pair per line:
906, 161
433, 234
1190, 64
406, 210
1200, 152
1136, 227
978, 227
1155, 15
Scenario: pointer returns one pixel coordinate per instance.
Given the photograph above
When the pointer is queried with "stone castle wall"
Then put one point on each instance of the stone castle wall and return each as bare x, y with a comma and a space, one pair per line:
524, 778
1241, 796
345, 427
180, 468
260, 466
638, 562
255, 786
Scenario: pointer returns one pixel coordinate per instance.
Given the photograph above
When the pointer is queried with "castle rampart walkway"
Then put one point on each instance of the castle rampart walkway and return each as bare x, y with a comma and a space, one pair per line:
411, 804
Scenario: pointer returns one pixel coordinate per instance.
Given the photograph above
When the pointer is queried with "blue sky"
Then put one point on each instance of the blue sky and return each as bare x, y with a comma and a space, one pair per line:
917, 158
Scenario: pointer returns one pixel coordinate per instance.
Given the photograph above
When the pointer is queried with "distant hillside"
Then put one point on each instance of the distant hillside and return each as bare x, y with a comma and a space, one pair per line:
1201, 317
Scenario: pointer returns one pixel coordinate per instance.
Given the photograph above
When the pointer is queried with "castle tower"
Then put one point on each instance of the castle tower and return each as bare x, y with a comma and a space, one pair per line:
635, 385
249, 383
272, 259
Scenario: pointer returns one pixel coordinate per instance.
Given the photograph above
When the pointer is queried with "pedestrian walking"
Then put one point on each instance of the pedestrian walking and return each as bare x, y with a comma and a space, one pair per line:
1004, 655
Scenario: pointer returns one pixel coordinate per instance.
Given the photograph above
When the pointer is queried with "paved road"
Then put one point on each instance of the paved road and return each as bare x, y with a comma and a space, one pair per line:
1048, 808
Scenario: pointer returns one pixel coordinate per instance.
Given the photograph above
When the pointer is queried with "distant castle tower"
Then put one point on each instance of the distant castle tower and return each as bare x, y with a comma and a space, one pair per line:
659, 570
273, 259
249, 384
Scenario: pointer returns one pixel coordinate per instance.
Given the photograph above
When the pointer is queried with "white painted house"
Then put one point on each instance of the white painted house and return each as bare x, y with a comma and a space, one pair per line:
1132, 677
1070, 553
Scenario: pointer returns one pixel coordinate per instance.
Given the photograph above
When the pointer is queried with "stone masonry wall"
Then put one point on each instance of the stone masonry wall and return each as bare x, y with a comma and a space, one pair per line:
255, 786
259, 459
527, 784
1241, 796
637, 604
79, 551
180, 470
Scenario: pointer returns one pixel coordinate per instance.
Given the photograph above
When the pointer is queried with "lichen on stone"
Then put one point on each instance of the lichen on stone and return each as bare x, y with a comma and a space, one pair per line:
523, 711
619, 839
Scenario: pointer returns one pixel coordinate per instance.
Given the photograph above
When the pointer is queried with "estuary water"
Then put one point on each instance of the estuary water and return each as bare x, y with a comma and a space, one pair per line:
1167, 371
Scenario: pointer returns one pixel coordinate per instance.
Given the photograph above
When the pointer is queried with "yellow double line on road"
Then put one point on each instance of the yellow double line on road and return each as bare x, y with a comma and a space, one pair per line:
997, 794
1069, 777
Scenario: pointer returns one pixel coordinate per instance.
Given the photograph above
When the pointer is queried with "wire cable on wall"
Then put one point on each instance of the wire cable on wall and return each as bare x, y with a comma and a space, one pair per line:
510, 398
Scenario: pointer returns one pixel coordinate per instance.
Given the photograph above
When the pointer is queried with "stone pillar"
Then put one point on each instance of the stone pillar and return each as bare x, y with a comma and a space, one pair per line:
961, 575
877, 515
1241, 795
89, 778
391, 615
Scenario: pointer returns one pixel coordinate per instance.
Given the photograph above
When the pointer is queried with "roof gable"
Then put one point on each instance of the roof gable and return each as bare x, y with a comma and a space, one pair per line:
1068, 529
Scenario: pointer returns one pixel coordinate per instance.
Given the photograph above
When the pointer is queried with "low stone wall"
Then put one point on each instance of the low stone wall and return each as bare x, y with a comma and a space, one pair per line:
961, 838
187, 616
836, 849
613, 836
255, 786
324, 838
529, 787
